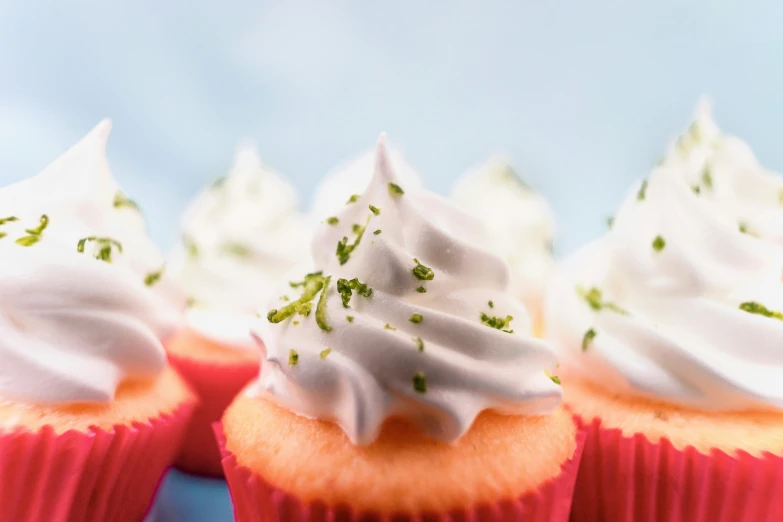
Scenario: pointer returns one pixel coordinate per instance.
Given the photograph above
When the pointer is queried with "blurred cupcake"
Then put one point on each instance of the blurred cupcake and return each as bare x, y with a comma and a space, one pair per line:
671, 329
402, 381
90, 414
520, 227
348, 180
239, 236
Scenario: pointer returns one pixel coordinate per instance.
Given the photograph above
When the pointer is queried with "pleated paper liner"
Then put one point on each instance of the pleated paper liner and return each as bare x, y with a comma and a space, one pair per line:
624, 479
256, 500
98, 476
216, 386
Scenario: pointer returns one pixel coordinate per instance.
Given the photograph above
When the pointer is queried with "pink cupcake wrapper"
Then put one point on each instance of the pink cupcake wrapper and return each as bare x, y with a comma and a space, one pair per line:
216, 386
86, 477
256, 500
624, 479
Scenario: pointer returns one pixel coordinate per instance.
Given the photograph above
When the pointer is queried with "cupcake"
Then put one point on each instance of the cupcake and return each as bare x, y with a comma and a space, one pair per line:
669, 329
90, 413
350, 179
402, 381
520, 227
239, 237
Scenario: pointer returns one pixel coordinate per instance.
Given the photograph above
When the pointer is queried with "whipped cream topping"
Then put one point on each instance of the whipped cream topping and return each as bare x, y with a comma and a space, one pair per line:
85, 296
682, 299
405, 313
352, 178
239, 237
519, 222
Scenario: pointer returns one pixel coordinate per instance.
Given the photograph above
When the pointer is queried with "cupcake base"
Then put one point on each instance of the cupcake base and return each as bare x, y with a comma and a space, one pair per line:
86, 477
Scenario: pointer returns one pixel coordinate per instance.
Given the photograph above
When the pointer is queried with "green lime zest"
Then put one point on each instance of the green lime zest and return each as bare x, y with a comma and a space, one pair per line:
332, 220
387, 326
706, 177
419, 343
311, 285
105, 246
349, 318
610, 222
658, 243
121, 201
587, 339
34, 234
295, 323
353, 199
345, 249
236, 248
293, 357
419, 383
320, 309
595, 299
753, 307
153, 277
498, 323
642, 191
190, 245
395, 190
5, 220
696, 189
376, 232
325, 353
421, 272
218, 183
375, 210
345, 289
421, 290
490, 304
416, 318
555, 378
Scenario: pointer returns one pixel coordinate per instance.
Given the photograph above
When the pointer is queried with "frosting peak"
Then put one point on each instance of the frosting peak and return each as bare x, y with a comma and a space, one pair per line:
404, 313
86, 299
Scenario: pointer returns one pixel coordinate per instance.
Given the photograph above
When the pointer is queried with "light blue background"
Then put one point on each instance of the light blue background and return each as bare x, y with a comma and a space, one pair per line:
582, 95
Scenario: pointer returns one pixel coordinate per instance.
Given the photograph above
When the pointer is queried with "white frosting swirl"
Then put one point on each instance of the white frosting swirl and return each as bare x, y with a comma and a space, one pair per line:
361, 372
684, 338
73, 327
519, 222
240, 236
352, 178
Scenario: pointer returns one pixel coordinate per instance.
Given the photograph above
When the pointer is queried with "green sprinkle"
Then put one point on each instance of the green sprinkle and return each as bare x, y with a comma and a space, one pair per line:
555, 378
642, 191
706, 177
320, 309
376, 232
491, 304
587, 339
375, 210
421, 290
499, 323
594, 298
332, 220
753, 307
696, 189
345, 289
349, 318
311, 285
419, 383
236, 249
293, 357
344, 249
120, 201
419, 343
395, 190
421, 272
353, 199
153, 277
658, 243
105, 245
190, 245
325, 353
416, 318
389, 327
34, 234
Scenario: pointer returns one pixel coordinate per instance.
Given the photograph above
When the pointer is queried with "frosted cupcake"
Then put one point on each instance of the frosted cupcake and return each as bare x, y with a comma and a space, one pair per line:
350, 179
90, 414
520, 227
239, 236
402, 381
670, 328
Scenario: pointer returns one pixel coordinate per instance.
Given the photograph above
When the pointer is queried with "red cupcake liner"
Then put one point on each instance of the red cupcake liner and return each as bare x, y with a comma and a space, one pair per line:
624, 479
87, 477
216, 386
256, 500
